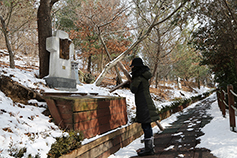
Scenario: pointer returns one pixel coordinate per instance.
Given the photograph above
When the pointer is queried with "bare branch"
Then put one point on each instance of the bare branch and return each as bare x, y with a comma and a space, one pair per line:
115, 17
142, 16
232, 15
52, 2
169, 16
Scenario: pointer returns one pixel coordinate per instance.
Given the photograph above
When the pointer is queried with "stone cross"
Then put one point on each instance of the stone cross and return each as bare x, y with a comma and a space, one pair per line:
61, 51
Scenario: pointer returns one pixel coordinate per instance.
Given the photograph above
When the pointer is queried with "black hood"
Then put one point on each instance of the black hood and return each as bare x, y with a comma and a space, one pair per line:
141, 71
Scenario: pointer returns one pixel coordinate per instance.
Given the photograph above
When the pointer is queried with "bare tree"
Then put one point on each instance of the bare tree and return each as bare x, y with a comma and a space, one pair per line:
14, 15
107, 20
144, 33
162, 40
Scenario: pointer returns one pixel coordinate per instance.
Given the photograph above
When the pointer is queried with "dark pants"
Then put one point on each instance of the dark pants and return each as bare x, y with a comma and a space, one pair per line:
147, 130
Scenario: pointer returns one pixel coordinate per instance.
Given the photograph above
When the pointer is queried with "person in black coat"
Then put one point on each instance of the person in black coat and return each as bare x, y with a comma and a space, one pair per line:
145, 108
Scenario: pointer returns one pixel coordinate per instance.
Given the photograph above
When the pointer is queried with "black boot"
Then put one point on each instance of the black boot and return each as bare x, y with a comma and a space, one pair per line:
148, 148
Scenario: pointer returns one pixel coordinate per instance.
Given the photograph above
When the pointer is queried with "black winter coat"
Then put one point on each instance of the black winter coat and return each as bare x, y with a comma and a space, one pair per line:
145, 108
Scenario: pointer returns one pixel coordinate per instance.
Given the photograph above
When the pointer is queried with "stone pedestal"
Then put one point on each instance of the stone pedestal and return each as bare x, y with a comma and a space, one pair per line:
61, 83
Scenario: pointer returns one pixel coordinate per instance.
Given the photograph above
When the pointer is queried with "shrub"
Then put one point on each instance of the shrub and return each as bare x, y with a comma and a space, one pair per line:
65, 144
179, 101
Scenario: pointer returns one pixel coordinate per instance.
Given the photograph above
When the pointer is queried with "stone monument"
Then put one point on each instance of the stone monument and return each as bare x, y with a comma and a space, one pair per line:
61, 72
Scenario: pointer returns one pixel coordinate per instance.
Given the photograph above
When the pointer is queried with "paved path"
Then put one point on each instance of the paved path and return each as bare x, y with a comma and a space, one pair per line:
180, 139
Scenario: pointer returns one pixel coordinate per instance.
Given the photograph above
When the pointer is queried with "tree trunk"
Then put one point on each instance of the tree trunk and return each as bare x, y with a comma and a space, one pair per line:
157, 80
11, 55
102, 62
198, 81
119, 78
44, 30
157, 55
89, 64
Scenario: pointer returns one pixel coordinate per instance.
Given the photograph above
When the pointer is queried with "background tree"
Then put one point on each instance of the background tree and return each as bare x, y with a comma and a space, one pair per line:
14, 17
186, 64
144, 33
216, 38
103, 30
44, 22
156, 49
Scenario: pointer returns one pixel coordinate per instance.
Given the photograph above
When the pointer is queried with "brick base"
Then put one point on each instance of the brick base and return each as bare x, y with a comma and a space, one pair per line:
92, 115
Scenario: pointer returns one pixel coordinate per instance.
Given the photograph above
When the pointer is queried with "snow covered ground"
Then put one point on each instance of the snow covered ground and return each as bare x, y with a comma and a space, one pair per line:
24, 126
